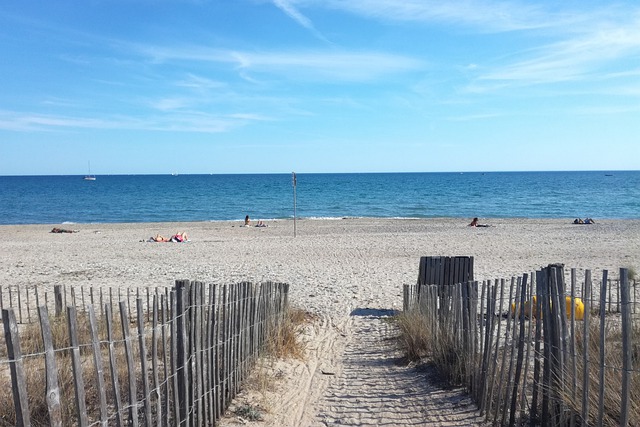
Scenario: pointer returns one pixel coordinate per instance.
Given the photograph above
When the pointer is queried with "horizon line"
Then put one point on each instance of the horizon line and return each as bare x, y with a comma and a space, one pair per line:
325, 173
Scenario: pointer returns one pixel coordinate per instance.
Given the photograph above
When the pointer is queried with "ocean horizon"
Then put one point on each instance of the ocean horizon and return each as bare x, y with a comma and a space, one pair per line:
64, 199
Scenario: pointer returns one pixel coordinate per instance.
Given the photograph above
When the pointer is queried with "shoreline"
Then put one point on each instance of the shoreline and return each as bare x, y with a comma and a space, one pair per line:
337, 218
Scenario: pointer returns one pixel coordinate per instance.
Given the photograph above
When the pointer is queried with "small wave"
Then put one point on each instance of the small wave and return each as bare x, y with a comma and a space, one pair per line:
330, 218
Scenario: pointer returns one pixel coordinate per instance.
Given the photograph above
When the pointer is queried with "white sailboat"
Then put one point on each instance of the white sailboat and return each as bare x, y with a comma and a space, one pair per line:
89, 177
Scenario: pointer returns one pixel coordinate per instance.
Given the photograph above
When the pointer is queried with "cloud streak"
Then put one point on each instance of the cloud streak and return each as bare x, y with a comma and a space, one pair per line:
296, 65
186, 121
599, 54
294, 14
490, 16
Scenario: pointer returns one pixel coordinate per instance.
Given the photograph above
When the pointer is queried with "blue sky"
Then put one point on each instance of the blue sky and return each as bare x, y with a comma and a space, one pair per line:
258, 86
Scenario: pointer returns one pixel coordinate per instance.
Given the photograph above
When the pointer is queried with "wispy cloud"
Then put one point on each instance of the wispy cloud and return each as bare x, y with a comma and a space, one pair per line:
563, 44
185, 121
599, 54
200, 83
17, 121
287, 7
495, 16
474, 117
296, 65
170, 104
350, 66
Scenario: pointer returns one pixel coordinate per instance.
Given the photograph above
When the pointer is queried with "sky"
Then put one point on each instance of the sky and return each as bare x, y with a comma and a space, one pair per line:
275, 86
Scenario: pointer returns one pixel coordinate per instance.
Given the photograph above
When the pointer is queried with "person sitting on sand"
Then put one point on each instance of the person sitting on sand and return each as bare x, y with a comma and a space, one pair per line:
62, 230
247, 221
474, 223
261, 224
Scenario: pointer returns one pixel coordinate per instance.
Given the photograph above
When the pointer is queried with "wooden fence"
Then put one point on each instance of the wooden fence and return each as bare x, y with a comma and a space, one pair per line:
444, 270
540, 349
178, 363
25, 300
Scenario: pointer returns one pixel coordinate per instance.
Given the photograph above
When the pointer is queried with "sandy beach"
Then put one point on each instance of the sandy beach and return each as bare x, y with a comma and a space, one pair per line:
348, 272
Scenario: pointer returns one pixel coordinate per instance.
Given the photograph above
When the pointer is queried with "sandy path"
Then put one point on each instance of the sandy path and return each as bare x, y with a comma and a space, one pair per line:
374, 388
354, 375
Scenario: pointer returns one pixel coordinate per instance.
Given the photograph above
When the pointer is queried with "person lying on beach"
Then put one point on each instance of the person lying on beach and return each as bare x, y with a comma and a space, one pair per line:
62, 230
178, 237
586, 221
474, 223
158, 238
261, 224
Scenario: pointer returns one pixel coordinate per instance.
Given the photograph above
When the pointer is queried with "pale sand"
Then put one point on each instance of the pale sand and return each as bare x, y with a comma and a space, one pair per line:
344, 271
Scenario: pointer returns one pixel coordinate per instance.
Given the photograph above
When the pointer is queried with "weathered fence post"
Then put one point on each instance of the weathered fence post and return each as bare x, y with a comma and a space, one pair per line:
489, 330
16, 365
97, 361
51, 371
516, 381
143, 363
181, 317
626, 345
113, 366
603, 308
558, 349
585, 347
154, 363
131, 370
501, 390
76, 363
57, 295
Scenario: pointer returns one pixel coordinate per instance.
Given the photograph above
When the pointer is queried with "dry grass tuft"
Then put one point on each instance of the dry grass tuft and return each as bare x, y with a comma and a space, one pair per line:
249, 412
449, 358
285, 341
415, 338
419, 341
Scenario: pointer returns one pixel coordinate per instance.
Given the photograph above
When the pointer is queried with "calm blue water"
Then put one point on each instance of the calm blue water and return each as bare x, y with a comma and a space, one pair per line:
150, 198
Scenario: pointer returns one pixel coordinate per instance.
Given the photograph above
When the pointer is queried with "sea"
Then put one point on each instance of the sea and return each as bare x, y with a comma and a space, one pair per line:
181, 198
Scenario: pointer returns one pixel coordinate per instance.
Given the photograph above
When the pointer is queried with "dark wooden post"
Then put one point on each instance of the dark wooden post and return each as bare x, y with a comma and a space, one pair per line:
182, 350
626, 345
57, 294
521, 316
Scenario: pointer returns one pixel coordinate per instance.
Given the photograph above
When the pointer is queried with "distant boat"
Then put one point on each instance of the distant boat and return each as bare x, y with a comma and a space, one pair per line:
89, 177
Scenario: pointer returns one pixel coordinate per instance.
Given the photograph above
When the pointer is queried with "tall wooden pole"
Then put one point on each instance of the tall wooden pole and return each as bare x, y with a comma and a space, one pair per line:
295, 183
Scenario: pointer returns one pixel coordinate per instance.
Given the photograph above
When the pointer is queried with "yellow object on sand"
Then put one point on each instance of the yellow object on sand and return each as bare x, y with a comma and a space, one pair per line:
530, 311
